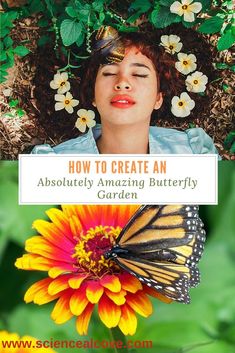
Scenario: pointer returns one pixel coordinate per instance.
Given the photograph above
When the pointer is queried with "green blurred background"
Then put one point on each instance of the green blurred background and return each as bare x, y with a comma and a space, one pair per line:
207, 325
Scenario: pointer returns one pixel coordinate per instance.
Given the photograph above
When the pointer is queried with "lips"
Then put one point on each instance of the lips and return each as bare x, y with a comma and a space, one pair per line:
122, 101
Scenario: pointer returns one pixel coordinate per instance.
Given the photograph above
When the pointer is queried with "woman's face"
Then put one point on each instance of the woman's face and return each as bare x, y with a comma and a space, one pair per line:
127, 92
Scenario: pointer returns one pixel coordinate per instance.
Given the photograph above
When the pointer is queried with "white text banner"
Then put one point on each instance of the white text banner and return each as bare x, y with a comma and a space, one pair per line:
117, 179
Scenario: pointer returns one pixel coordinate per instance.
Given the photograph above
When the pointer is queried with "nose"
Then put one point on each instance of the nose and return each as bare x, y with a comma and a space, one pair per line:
122, 84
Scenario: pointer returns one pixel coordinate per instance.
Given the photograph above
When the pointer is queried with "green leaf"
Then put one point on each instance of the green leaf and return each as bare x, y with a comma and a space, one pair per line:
142, 6
70, 31
134, 17
163, 17
71, 11
21, 50
43, 40
8, 42
43, 22
221, 66
166, 3
36, 6
13, 103
229, 140
98, 6
226, 41
20, 112
206, 4
80, 40
4, 32
3, 56
212, 25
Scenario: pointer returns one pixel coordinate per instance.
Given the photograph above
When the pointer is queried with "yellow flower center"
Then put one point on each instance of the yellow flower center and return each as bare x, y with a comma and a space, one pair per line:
184, 7
195, 82
180, 103
185, 62
83, 119
91, 248
171, 47
67, 101
62, 83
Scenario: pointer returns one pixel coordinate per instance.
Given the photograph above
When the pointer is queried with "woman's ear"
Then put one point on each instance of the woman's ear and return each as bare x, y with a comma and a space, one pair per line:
159, 101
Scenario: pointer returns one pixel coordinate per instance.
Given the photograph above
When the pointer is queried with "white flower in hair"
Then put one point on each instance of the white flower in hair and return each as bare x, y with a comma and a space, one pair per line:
60, 82
186, 63
186, 8
196, 82
182, 106
86, 118
65, 102
171, 43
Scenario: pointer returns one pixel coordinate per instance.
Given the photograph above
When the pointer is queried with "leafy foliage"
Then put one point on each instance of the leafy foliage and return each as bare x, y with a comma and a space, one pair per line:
73, 21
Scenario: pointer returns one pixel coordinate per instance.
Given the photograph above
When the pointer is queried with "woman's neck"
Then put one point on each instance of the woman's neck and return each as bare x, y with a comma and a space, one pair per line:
124, 140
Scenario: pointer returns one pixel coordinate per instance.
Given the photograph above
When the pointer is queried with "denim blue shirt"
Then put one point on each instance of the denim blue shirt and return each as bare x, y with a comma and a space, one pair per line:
161, 140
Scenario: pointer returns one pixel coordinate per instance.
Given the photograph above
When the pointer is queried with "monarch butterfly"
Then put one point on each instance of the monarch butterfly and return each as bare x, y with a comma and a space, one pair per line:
161, 246
108, 43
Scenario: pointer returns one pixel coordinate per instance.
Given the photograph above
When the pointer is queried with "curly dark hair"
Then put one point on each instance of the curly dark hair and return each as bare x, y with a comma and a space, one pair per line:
60, 125
171, 81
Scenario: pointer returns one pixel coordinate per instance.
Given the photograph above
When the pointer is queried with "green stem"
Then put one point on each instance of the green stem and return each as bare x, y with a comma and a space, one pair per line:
119, 339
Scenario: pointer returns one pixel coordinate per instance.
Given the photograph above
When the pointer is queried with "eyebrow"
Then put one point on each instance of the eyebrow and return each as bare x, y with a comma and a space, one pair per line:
133, 64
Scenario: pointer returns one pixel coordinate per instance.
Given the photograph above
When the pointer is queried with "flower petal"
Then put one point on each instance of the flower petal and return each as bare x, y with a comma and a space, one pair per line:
61, 312
109, 312
35, 288
117, 298
94, 292
59, 106
176, 7
78, 301
195, 7
59, 284
128, 321
140, 303
111, 282
130, 283
69, 109
59, 97
83, 320
76, 281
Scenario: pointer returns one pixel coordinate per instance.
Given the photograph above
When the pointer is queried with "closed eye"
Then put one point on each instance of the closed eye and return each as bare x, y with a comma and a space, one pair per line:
108, 74
139, 75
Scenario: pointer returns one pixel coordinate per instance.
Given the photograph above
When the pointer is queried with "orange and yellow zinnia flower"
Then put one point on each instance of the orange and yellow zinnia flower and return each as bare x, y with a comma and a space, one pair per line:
13, 343
71, 249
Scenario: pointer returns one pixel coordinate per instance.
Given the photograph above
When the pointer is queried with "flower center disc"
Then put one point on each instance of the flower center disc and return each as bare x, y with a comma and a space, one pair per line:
91, 248
66, 101
62, 83
195, 82
180, 104
184, 7
171, 47
185, 62
83, 119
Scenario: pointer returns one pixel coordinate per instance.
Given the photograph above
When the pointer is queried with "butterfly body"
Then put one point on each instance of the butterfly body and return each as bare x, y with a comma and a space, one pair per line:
161, 246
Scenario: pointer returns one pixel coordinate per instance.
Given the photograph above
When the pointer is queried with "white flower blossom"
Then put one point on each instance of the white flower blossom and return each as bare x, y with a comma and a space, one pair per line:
186, 8
171, 43
86, 118
186, 63
182, 106
60, 82
196, 82
65, 102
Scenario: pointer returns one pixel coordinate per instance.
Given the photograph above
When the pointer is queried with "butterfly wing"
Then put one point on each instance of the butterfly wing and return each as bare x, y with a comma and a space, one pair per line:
161, 245
108, 44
